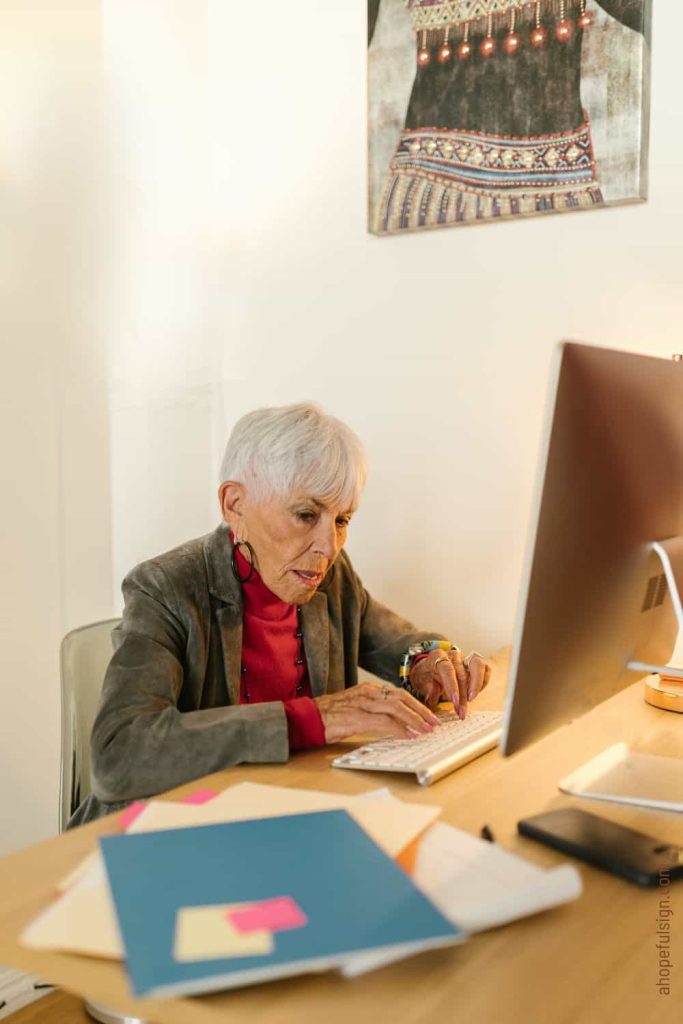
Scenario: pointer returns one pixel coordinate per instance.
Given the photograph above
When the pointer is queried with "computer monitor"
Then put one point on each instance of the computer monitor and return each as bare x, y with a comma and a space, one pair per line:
598, 602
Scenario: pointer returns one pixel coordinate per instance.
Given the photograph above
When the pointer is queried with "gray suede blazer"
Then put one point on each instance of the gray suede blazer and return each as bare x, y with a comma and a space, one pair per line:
170, 711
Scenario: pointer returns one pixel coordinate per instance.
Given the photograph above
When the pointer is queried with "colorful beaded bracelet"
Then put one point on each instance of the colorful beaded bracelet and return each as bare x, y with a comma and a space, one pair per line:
424, 647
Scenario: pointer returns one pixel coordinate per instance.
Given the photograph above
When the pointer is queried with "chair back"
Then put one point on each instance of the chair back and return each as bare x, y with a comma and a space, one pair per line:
84, 656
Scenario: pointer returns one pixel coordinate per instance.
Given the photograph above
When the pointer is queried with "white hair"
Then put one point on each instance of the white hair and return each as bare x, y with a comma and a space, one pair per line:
288, 448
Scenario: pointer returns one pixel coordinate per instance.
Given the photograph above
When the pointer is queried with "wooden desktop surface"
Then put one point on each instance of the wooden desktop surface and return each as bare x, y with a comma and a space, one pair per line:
592, 960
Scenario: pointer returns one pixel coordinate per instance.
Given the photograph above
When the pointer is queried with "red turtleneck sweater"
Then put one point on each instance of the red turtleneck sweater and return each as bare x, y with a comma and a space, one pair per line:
274, 661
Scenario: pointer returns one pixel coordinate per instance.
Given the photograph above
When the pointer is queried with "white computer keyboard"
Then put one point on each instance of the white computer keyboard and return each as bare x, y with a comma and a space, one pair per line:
430, 757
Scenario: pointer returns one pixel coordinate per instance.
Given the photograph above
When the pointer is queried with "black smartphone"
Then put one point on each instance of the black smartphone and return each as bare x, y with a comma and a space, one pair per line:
622, 851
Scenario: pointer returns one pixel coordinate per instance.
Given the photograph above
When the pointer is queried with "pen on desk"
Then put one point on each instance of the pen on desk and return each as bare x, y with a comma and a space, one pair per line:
487, 834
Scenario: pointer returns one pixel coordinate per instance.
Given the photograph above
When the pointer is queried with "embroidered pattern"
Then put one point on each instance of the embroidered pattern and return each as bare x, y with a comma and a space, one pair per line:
438, 14
446, 177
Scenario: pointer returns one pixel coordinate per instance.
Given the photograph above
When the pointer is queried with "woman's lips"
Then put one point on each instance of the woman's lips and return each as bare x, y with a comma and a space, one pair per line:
310, 579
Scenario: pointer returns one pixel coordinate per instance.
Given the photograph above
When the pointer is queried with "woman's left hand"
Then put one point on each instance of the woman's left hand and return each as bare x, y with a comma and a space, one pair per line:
446, 675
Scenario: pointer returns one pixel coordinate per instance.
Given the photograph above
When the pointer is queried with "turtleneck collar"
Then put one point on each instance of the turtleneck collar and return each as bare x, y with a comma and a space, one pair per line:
258, 599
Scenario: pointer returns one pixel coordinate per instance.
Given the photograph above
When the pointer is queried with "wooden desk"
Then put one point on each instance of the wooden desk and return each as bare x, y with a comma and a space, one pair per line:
590, 961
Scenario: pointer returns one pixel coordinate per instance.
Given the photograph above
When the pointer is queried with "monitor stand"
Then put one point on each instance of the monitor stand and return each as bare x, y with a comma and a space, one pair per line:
664, 685
106, 1015
666, 691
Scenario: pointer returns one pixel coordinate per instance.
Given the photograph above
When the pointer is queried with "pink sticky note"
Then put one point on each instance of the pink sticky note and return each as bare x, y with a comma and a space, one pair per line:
202, 796
131, 813
276, 915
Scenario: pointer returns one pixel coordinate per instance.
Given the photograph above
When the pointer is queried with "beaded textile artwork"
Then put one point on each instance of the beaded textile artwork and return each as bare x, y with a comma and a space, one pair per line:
481, 110
451, 177
437, 14
447, 28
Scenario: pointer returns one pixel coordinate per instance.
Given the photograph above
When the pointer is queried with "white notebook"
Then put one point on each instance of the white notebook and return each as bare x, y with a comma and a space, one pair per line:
623, 776
478, 885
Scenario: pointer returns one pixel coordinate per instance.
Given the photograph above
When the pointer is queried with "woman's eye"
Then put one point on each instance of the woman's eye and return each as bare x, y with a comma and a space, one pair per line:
343, 523
306, 517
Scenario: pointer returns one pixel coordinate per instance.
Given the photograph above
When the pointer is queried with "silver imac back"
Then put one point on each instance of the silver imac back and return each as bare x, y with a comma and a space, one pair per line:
595, 597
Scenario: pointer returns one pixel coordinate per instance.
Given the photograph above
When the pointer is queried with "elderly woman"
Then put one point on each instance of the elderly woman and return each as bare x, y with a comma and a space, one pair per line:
244, 645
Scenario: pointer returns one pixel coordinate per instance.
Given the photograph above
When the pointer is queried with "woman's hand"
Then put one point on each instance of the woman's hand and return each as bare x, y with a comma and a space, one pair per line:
371, 708
446, 675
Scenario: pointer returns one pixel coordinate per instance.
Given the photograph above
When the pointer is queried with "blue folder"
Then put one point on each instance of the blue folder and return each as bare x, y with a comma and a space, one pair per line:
354, 896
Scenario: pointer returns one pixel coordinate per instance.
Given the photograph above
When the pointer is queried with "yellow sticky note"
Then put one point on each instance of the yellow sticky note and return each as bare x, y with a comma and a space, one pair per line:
205, 933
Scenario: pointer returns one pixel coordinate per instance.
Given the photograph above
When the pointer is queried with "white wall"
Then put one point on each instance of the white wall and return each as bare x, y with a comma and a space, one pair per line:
55, 540
435, 347
162, 339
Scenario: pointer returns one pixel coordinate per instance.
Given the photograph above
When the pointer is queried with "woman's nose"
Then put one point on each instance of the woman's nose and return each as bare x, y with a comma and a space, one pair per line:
326, 541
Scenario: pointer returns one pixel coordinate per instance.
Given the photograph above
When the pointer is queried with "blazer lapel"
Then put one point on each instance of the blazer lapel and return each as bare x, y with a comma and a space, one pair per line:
316, 629
230, 624
221, 579
224, 586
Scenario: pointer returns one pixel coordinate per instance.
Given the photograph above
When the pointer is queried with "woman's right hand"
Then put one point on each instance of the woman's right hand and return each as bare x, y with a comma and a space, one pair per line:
380, 710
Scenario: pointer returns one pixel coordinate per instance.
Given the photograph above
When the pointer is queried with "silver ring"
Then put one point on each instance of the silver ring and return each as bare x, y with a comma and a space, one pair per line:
472, 654
439, 660
385, 691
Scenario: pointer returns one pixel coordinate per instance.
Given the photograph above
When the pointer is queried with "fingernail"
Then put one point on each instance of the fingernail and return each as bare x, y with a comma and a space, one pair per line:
470, 694
461, 712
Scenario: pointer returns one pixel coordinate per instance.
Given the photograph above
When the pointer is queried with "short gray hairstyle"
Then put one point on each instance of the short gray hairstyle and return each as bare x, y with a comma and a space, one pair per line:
279, 450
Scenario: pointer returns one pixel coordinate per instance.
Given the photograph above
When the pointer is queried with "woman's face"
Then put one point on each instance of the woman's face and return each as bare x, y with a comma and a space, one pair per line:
295, 541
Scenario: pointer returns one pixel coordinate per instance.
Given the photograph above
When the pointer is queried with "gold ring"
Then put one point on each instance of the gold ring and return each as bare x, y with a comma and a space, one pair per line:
385, 691
439, 660
468, 659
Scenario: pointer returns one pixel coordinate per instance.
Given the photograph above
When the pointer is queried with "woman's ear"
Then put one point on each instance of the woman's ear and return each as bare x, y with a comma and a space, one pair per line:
231, 498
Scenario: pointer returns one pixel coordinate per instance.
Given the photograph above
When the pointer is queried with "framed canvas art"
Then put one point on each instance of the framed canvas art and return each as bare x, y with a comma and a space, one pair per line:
482, 110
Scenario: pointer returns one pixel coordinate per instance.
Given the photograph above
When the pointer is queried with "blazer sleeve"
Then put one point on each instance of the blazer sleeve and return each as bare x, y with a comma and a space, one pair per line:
385, 637
142, 744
